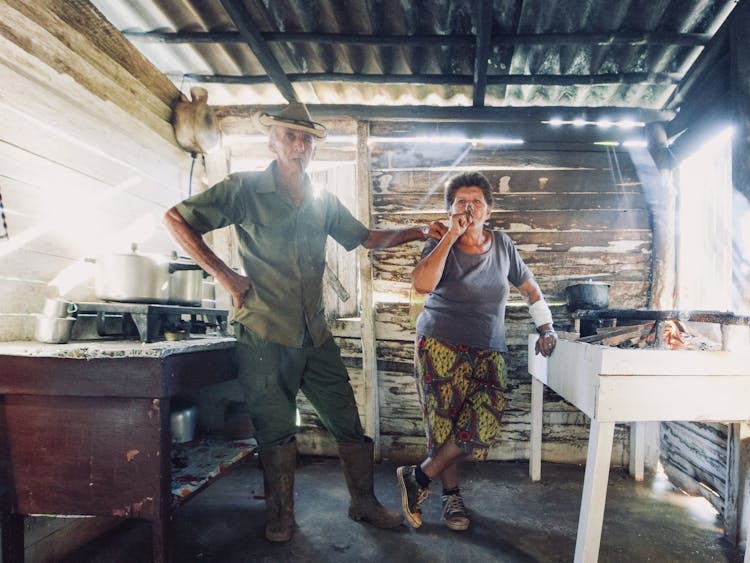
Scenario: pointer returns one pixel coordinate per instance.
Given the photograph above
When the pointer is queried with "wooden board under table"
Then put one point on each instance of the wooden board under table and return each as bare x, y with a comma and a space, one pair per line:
89, 434
631, 385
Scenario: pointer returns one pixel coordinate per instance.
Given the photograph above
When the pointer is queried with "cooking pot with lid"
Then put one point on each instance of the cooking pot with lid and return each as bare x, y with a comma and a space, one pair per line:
136, 277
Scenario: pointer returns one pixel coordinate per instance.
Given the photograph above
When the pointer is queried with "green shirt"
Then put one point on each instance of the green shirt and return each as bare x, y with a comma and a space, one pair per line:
282, 249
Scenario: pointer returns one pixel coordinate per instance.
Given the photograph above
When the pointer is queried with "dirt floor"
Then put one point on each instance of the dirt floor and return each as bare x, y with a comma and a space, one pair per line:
513, 520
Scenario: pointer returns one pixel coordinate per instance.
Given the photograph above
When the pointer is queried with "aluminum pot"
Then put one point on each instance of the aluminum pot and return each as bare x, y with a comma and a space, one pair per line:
132, 277
55, 307
587, 295
53, 330
183, 421
185, 282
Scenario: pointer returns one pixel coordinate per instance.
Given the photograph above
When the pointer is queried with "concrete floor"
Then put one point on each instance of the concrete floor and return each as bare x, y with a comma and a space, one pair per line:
513, 520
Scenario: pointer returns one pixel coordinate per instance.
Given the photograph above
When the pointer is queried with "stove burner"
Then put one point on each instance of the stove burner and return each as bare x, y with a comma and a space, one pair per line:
149, 321
718, 317
591, 319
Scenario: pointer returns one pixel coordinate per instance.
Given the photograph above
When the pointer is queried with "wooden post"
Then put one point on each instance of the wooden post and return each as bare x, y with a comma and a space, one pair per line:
661, 195
738, 457
739, 80
367, 305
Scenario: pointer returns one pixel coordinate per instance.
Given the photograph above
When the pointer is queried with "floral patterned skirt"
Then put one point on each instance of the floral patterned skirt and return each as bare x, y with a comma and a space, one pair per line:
461, 392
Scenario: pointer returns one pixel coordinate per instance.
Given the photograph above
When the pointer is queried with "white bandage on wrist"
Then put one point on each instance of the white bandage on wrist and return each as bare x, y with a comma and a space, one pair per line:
540, 313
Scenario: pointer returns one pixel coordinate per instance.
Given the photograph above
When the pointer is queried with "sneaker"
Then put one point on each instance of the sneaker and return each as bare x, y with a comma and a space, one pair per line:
454, 512
412, 495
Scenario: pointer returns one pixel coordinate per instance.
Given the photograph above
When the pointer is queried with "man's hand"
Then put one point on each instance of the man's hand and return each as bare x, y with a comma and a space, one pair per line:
237, 286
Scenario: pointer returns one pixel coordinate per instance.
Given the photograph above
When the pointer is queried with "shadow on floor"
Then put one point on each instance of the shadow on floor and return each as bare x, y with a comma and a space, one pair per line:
513, 520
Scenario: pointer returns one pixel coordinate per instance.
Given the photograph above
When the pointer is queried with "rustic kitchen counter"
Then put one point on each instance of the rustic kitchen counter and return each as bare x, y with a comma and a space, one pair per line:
90, 349
85, 428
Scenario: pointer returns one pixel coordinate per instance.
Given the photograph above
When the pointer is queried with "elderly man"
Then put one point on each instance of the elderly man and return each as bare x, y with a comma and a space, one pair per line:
283, 342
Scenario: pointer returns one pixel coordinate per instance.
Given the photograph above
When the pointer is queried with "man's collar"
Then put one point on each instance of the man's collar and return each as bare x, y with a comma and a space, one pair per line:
267, 182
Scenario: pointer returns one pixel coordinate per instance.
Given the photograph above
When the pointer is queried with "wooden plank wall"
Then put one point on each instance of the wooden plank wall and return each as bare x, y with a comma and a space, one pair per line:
88, 161
88, 164
575, 211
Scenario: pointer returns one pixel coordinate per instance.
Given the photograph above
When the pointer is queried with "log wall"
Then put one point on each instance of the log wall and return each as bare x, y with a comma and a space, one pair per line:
88, 164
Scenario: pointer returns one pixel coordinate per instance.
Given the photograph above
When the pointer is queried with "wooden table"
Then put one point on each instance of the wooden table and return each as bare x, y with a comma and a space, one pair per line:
85, 429
620, 385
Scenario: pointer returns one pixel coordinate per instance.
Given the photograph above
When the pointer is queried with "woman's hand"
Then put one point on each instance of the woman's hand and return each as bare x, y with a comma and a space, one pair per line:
546, 343
458, 223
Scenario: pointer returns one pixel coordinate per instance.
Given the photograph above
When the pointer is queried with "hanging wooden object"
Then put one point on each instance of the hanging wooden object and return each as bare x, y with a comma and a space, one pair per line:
195, 125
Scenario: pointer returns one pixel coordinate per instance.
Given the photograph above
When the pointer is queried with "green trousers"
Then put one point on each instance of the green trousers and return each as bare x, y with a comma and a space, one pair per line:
271, 376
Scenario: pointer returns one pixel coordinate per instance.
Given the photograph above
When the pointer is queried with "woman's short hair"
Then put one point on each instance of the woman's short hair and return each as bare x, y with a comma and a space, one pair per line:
467, 180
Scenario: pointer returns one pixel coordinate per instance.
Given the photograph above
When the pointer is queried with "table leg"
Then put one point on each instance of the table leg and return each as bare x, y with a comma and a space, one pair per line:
535, 446
595, 481
11, 527
162, 534
637, 449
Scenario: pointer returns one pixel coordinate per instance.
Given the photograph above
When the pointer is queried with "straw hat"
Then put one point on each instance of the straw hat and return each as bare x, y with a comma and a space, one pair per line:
294, 116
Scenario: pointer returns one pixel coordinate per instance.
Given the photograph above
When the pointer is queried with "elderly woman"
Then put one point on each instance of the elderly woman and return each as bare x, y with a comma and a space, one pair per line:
459, 365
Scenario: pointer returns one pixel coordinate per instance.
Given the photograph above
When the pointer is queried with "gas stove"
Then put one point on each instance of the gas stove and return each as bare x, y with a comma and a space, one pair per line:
149, 321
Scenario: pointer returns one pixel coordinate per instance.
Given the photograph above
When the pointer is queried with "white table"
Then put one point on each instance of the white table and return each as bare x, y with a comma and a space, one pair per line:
631, 385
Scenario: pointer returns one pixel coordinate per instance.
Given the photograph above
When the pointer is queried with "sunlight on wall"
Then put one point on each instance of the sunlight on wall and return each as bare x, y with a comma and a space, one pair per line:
136, 233
57, 218
704, 263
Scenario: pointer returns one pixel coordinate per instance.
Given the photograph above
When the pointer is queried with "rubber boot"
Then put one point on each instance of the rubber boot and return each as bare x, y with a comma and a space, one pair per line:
278, 464
357, 460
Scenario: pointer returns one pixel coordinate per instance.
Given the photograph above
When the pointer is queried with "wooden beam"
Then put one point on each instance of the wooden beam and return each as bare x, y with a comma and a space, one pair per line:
458, 114
651, 78
367, 305
716, 49
739, 78
259, 47
427, 40
83, 16
484, 27
34, 37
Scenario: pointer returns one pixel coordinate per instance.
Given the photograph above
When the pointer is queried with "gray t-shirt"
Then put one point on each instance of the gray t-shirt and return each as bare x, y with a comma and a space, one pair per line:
468, 305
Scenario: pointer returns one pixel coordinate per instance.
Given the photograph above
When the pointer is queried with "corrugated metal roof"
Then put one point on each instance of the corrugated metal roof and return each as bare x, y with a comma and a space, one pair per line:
490, 53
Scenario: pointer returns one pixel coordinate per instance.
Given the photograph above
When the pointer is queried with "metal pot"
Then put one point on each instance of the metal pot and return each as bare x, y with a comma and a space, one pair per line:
587, 295
185, 282
137, 277
183, 421
132, 277
53, 330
